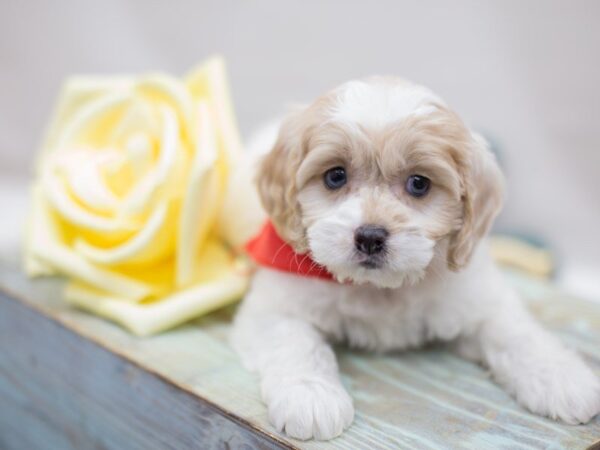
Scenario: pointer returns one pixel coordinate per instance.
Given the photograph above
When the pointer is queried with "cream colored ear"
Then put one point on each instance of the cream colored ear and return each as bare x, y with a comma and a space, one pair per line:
276, 182
483, 192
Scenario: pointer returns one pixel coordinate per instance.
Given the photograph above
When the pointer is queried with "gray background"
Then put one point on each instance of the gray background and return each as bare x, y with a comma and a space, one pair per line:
526, 73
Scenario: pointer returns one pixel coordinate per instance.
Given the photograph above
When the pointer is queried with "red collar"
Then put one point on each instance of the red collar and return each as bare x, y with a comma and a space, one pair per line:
269, 250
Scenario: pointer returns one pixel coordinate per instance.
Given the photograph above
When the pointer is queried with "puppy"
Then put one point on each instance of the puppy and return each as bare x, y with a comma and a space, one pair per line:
387, 195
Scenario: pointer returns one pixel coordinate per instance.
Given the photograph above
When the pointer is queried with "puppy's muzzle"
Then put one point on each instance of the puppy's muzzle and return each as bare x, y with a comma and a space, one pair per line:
370, 240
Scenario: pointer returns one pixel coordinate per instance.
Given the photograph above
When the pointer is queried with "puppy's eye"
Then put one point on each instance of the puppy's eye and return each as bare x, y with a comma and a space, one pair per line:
418, 185
335, 178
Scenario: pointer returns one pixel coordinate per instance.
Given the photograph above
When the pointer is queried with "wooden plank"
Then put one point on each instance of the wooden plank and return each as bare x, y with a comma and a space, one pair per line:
59, 391
424, 399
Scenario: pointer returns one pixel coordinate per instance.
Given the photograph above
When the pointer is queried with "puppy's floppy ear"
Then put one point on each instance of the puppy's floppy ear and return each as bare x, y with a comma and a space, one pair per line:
483, 191
276, 180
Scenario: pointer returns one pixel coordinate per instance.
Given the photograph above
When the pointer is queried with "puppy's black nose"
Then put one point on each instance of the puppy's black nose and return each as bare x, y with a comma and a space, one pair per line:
370, 239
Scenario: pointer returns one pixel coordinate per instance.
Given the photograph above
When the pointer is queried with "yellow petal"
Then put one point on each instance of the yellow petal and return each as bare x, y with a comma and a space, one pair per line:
75, 93
91, 123
162, 89
70, 210
83, 171
200, 200
145, 190
38, 231
139, 153
146, 319
209, 81
65, 261
36, 268
213, 261
135, 233
152, 243
138, 117
241, 214
45, 245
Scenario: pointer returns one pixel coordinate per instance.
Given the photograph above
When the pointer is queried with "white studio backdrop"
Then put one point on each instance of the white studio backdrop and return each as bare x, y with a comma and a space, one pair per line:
526, 73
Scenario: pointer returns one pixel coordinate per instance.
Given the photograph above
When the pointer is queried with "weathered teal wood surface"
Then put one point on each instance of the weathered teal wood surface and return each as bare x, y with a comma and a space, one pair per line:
426, 400
58, 391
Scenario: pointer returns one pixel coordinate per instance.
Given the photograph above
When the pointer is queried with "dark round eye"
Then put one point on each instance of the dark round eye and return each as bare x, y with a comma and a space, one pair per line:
335, 178
418, 185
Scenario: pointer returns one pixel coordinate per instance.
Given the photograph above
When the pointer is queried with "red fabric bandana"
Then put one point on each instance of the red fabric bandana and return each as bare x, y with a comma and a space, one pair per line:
269, 250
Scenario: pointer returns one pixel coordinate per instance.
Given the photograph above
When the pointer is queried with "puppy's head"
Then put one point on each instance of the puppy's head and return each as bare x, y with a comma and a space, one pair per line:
377, 179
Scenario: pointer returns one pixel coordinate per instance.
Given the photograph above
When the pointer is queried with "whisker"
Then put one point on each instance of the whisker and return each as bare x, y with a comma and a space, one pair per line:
277, 252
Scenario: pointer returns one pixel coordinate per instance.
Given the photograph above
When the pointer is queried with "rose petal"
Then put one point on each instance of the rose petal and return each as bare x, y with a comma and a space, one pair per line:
144, 191
89, 113
60, 199
200, 200
153, 242
144, 320
224, 284
139, 117
75, 93
209, 81
84, 175
44, 245
112, 226
171, 91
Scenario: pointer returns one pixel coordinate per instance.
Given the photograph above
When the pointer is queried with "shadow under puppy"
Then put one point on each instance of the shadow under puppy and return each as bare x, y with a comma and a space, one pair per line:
384, 190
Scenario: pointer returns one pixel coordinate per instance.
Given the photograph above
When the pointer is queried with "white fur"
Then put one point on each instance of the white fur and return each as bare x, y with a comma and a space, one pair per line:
331, 240
375, 106
284, 327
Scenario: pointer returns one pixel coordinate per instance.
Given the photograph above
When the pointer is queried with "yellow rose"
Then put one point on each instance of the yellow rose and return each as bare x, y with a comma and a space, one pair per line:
128, 186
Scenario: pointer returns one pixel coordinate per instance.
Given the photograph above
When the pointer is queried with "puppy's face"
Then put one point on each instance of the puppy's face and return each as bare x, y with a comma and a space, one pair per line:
377, 179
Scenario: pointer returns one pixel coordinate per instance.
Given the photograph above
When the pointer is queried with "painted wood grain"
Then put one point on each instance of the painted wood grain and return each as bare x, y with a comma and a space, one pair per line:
427, 399
59, 391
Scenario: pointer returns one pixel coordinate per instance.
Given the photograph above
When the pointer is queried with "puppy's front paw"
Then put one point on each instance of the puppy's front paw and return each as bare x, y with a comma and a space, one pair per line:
308, 408
569, 392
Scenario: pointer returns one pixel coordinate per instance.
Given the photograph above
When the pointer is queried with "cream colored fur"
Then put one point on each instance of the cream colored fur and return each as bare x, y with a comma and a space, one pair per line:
438, 282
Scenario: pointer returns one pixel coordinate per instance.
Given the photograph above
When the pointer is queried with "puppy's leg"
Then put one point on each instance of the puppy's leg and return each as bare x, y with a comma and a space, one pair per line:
543, 375
299, 374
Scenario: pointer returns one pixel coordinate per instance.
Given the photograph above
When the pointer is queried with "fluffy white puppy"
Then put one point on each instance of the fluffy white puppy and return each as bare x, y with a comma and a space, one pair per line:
383, 185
